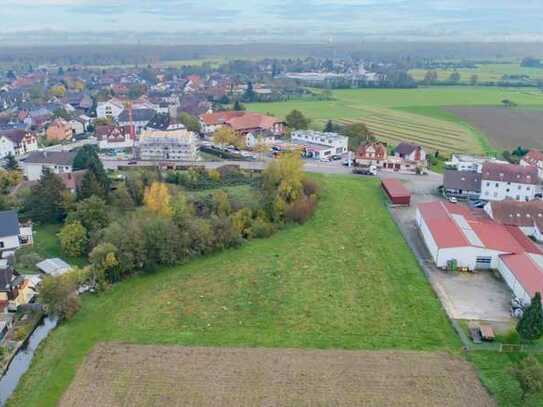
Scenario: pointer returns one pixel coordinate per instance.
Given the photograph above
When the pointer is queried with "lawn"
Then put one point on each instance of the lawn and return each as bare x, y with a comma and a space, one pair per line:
244, 195
346, 280
46, 245
409, 114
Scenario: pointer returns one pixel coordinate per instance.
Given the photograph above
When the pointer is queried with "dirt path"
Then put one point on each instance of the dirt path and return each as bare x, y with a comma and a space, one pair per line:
134, 375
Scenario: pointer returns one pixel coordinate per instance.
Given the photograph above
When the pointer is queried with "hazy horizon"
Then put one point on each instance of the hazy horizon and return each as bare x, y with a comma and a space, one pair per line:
45, 22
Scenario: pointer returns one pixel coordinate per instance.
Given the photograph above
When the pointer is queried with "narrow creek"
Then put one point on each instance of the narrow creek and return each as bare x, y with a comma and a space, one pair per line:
21, 362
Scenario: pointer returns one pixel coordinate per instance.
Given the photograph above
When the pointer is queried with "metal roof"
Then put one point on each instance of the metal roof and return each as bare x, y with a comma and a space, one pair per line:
54, 267
9, 224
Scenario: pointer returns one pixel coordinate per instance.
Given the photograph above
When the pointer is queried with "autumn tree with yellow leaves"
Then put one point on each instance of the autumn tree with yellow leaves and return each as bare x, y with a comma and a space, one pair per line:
157, 199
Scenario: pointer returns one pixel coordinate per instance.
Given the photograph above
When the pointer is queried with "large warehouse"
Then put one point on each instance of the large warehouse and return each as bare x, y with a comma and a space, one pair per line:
475, 241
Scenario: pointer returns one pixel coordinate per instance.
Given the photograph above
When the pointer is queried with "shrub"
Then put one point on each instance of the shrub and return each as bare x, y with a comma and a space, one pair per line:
260, 229
310, 187
73, 239
301, 210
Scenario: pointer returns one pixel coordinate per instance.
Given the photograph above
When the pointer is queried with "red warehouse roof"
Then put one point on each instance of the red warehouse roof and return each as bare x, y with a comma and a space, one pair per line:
527, 271
395, 188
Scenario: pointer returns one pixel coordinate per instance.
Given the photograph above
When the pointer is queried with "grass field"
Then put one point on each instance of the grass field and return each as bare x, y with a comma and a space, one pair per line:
346, 280
485, 72
409, 114
117, 375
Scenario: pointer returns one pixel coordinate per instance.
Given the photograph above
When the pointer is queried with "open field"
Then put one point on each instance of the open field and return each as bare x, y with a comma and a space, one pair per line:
485, 72
505, 128
344, 280
134, 375
408, 114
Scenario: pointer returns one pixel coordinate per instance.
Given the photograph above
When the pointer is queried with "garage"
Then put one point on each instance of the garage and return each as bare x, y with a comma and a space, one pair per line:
396, 192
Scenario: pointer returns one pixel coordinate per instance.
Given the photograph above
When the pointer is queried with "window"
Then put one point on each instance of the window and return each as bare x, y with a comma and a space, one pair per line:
497, 185
1, 244
518, 199
488, 184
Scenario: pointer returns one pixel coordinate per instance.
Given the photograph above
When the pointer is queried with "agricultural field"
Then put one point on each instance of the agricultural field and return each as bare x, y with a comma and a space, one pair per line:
119, 375
485, 72
415, 115
505, 128
344, 280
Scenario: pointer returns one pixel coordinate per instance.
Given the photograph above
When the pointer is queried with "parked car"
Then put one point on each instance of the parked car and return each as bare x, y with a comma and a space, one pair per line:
132, 162
336, 157
453, 200
325, 159
364, 171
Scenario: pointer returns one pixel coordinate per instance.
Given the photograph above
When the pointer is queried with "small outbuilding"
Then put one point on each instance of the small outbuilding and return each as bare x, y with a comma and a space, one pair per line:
396, 192
54, 267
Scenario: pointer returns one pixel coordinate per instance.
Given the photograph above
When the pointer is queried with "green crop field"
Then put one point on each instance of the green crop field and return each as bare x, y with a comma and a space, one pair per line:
408, 114
484, 72
344, 280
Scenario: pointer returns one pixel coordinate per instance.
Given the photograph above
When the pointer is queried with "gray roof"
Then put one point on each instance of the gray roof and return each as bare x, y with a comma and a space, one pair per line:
9, 224
138, 115
464, 180
54, 267
51, 157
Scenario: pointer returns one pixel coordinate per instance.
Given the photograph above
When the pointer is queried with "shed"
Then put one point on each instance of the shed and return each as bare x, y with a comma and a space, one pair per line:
53, 267
396, 192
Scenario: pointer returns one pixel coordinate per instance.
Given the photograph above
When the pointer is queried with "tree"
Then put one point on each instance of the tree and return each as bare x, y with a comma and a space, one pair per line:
59, 295
85, 156
238, 107
221, 203
182, 209
92, 213
473, 80
454, 77
529, 374
11, 163
190, 122
357, 133
430, 77
297, 121
104, 261
249, 95
73, 239
122, 198
530, 326
329, 128
224, 136
158, 199
508, 103
8, 180
46, 201
57, 90
90, 186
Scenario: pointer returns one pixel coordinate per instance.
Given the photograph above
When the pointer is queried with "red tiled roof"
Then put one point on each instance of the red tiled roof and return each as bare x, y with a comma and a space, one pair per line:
240, 121
447, 233
509, 173
526, 270
533, 157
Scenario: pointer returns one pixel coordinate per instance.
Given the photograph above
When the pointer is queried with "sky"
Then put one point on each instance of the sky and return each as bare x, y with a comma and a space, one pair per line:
264, 20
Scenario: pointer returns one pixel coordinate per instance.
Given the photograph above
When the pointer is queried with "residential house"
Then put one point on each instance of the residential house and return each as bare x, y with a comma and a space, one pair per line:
59, 130
501, 181
452, 232
528, 216
462, 184
77, 127
407, 157
15, 289
140, 118
465, 162
17, 142
114, 137
57, 162
173, 145
110, 109
534, 158
242, 122
12, 234
372, 154
320, 144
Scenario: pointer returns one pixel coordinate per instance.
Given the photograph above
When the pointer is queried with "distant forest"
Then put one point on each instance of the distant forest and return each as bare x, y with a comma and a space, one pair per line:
405, 52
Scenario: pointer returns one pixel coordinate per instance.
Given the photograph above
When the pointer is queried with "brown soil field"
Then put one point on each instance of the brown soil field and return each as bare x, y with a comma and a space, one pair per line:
144, 375
505, 128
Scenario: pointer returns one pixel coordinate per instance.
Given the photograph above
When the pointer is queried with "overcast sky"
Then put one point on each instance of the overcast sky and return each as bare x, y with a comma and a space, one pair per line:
297, 19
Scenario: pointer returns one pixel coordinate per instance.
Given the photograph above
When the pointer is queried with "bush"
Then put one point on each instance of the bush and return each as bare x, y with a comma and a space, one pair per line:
310, 187
260, 229
301, 210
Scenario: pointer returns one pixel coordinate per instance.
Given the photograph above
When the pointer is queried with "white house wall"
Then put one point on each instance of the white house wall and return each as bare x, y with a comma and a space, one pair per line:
512, 282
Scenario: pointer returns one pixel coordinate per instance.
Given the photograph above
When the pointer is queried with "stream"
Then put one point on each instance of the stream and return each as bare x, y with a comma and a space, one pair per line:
21, 362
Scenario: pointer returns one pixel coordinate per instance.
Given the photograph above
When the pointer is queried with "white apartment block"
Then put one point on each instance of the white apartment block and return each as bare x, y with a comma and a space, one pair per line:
508, 181
173, 145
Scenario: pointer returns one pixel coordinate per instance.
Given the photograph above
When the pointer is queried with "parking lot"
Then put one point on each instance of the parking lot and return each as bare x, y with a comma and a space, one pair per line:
469, 296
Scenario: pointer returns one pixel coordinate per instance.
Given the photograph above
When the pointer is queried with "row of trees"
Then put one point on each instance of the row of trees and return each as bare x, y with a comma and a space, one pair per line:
165, 226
